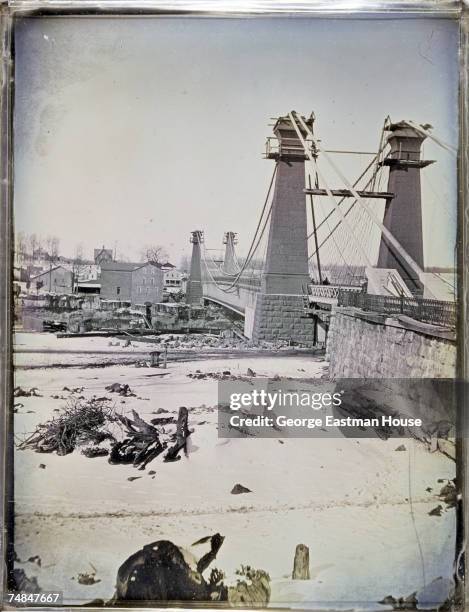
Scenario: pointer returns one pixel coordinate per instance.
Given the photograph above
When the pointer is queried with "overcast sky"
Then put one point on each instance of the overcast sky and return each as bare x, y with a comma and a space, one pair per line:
131, 131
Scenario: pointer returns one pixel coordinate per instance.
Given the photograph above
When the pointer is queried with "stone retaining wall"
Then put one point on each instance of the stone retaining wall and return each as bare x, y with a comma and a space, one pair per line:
377, 347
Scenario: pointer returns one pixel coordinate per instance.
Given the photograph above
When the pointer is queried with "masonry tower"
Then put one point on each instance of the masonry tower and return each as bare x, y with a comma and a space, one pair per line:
279, 307
403, 213
194, 295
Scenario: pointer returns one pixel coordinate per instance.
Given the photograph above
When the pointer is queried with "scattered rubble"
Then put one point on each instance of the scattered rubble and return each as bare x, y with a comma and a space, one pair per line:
400, 448
448, 494
87, 578
224, 375
20, 392
437, 595
123, 390
401, 603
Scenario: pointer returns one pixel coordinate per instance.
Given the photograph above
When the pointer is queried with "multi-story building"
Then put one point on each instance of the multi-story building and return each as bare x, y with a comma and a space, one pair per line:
136, 283
56, 280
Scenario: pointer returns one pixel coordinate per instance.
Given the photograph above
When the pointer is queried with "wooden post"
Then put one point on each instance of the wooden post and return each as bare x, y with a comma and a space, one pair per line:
301, 563
165, 357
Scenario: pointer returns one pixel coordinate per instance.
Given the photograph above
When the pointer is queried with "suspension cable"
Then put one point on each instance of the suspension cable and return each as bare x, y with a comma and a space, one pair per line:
251, 251
388, 235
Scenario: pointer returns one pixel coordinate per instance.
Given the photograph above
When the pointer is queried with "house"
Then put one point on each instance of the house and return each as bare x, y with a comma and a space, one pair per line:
88, 272
56, 280
174, 281
136, 283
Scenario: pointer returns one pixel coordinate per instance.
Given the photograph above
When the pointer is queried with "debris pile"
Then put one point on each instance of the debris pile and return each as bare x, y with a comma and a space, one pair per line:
100, 431
141, 444
223, 375
19, 392
163, 571
143, 441
80, 422
120, 389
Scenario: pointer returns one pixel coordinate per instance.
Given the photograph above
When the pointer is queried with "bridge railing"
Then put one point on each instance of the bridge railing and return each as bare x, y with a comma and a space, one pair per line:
435, 312
330, 291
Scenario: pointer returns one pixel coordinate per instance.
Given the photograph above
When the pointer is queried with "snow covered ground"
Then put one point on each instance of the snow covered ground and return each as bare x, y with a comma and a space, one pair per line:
360, 506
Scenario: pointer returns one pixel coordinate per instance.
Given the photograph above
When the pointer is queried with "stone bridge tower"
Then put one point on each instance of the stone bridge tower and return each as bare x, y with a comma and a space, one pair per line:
194, 295
279, 309
229, 262
403, 214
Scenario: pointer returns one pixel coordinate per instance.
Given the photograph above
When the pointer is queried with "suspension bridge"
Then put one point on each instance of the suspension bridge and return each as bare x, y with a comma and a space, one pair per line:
313, 244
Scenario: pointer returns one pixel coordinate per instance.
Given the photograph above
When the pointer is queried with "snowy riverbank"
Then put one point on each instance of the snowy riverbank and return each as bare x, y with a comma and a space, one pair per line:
360, 506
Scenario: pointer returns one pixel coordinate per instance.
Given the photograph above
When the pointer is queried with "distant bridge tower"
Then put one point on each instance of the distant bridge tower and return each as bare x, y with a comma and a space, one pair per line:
403, 214
229, 263
278, 312
194, 295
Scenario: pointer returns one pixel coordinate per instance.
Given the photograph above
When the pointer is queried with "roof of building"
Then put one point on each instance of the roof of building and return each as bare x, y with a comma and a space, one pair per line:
49, 271
119, 266
124, 266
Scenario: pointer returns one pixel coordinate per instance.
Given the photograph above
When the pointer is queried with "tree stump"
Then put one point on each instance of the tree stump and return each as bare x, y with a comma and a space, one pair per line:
301, 563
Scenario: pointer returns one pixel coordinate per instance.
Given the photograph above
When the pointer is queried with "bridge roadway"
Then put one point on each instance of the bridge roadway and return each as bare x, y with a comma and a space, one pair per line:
241, 298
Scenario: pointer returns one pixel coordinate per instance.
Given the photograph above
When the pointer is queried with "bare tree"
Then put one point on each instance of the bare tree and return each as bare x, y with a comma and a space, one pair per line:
33, 244
154, 254
78, 264
52, 247
185, 263
21, 246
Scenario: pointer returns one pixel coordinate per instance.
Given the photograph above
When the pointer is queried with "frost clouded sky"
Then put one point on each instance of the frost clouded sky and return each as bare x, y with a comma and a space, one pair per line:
138, 130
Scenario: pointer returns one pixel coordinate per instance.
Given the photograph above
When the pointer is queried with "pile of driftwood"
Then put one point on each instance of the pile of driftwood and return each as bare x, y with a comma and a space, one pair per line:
79, 423
90, 423
142, 442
